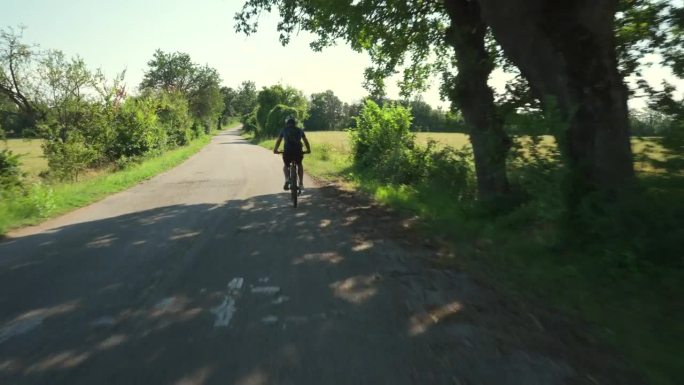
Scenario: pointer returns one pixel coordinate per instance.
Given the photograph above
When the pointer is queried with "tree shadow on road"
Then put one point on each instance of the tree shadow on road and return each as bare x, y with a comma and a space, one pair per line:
129, 300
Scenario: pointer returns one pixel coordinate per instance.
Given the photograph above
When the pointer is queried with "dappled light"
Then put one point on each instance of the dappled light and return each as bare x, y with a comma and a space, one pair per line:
48, 311
101, 241
420, 323
59, 361
356, 289
10, 366
199, 377
112, 341
28, 321
256, 377
180, 234
329, 257
362, 245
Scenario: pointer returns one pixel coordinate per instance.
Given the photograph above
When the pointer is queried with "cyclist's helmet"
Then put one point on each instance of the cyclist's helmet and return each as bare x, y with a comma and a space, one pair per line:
291, 122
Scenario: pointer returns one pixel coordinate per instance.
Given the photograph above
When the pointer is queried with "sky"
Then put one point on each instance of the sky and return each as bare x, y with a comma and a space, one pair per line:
123, 35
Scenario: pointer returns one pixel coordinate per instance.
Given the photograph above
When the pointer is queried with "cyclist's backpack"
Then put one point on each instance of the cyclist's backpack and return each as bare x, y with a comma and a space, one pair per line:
293, 137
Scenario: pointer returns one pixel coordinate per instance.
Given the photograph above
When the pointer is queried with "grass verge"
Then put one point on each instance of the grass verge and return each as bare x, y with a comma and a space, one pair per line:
634, 307
45, 201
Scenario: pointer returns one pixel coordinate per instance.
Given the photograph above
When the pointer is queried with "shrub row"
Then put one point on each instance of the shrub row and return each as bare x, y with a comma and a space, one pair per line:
91, 134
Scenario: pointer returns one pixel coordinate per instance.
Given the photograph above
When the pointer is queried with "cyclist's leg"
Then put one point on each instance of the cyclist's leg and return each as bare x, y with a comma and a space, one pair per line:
300, 168
286, 161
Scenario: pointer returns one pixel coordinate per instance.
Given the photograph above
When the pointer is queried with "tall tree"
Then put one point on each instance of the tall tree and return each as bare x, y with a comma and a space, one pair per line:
169, 72
206, 101
326, 112
176, 72
567, 52
246, 99
229, 95
409, 33
16, 71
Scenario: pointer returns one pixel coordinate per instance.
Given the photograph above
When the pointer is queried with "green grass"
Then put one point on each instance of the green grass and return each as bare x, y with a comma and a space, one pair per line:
51, 200
635, 308
32, 160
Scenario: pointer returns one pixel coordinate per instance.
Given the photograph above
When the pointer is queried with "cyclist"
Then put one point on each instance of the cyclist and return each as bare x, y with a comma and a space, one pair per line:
292, 151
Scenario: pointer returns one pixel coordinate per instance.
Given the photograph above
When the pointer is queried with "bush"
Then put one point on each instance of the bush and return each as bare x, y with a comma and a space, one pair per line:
249, 122
137, 130
10, 173
174, 117
277, 118
67, 160
270, 97
383, 143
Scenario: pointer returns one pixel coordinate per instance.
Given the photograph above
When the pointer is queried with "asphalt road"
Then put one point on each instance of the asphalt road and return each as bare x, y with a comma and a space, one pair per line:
206, 275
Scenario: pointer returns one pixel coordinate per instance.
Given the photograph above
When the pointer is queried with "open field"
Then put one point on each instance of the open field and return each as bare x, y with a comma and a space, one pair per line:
643, 148
32, 160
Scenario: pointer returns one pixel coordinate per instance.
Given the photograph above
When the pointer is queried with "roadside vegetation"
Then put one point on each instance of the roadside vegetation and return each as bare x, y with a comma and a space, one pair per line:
623, 280
69, 136
560, 196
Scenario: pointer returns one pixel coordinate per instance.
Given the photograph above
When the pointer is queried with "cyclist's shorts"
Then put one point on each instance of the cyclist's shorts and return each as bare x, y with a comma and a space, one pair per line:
293, 156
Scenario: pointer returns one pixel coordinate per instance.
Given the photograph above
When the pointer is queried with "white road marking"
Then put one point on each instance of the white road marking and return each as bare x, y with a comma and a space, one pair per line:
264, 279
271, 319
268, 290
224, 312
236, 283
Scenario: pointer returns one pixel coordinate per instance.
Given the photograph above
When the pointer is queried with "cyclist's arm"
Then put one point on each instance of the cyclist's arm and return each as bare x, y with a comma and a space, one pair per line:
277, 144
306, 143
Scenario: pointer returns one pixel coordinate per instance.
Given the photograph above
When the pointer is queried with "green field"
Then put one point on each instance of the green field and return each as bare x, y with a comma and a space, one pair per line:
32, 160
644, 149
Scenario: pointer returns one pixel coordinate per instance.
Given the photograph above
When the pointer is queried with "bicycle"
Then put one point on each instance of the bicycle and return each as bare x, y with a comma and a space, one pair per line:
295, 190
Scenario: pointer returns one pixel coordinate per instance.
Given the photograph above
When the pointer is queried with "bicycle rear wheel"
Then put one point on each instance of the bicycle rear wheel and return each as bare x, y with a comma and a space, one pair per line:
293, 184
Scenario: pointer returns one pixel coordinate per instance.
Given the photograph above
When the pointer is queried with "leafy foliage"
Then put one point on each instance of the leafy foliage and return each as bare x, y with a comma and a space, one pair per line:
18, 86
278, 116
171, 72
269, 98
326, 112
384, 146
176, 73
246, 99
173, 115
10, 173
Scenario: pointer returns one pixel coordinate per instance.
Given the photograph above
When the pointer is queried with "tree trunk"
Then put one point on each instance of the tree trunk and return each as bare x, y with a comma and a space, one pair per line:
566, 50
473, 96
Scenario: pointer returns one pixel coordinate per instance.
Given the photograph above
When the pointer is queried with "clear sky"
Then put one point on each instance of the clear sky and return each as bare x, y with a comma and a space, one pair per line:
123, 34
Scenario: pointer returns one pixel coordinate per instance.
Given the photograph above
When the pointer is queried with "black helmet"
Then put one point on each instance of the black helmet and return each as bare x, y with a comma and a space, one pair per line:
291, 122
